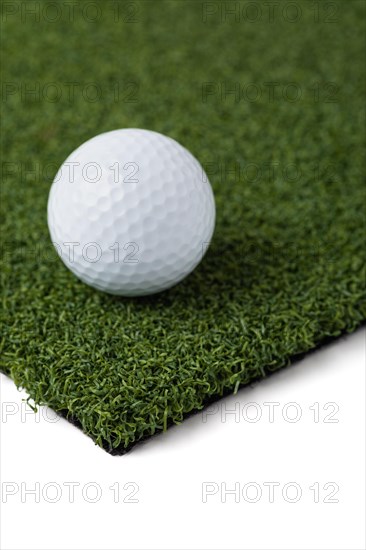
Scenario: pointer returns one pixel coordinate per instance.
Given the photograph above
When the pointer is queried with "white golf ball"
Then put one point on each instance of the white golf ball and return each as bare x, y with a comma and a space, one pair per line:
131, 212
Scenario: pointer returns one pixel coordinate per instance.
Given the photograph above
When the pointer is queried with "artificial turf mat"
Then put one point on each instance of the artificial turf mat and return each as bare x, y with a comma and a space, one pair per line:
286, 268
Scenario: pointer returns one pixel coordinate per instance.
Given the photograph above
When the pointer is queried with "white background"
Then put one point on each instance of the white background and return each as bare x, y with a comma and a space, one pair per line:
216, 447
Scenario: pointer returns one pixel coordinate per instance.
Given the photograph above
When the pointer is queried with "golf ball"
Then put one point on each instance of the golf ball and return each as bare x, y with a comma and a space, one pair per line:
131, 212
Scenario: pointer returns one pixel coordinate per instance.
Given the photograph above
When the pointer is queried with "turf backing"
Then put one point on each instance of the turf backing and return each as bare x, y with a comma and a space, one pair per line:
273, 106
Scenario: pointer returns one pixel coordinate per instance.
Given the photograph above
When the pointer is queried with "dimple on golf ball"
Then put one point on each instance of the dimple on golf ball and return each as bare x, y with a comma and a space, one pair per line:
131, 212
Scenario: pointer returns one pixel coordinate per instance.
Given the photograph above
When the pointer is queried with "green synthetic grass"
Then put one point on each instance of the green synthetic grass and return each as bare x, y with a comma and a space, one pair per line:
286, 269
